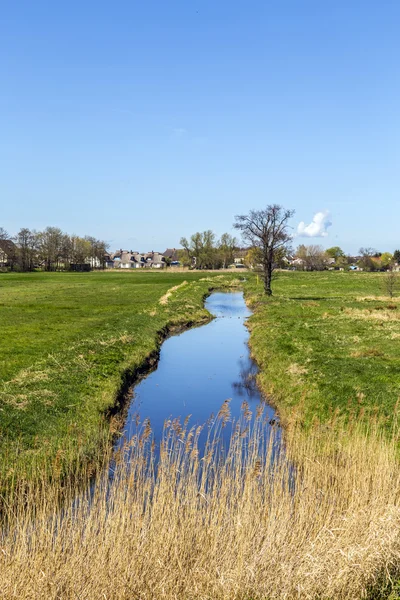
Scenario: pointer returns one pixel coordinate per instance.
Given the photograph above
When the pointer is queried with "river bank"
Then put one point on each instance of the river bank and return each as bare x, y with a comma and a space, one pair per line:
327, 347
71, 345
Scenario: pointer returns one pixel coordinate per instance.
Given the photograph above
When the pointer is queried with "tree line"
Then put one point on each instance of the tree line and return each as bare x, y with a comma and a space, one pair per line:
50, 249
316, 258
203, 250
265, 234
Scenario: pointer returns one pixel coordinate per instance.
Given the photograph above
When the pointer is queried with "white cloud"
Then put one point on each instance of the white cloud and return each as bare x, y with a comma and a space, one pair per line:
318, 226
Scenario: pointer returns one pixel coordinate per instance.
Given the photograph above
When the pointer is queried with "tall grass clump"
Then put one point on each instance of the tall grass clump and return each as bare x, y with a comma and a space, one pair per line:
318, 518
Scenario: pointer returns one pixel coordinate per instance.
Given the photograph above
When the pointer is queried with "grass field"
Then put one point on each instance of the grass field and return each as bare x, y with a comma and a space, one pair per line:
67, 340
327, 343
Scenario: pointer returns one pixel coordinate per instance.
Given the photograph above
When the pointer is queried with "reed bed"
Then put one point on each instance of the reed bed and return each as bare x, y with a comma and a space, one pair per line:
318, 518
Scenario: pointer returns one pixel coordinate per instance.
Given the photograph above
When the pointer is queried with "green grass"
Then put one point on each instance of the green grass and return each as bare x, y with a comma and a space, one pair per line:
327, 343
67, 341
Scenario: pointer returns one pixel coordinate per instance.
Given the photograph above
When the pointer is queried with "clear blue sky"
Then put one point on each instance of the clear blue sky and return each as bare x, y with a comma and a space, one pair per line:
140, 122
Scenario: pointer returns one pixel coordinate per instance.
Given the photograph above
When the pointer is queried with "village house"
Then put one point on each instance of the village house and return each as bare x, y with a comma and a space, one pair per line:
128, 259
172, 255
239, 256
8, 252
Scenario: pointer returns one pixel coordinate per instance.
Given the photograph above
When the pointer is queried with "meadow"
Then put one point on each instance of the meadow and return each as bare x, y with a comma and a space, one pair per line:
327, 343
204, 525
69, 346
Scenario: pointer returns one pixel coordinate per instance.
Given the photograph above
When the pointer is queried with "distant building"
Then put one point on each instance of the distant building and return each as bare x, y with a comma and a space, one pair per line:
108, 261
171, 254
128, 259
239, 255
8, 251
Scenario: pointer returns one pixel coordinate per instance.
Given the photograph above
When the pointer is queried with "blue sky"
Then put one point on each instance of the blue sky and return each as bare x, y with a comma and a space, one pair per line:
140, 122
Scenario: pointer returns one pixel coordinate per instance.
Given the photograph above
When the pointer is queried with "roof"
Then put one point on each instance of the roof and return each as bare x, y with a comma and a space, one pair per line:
7, 246
171, 253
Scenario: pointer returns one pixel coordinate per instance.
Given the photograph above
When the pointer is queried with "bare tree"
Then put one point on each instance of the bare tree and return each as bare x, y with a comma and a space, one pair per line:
267, 230
26, 241
366, 261
391, 281
314, 257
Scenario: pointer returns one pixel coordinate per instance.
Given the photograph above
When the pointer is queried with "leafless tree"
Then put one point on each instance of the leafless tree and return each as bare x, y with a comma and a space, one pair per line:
366, 261
26, 242
314, 257
267, 230
391, 281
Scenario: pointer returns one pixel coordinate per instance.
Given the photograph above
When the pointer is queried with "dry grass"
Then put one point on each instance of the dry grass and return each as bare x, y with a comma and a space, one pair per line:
215, 526
372, 314
164, 299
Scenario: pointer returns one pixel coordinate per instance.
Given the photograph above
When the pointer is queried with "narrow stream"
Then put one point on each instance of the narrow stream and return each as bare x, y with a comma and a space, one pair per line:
198, 370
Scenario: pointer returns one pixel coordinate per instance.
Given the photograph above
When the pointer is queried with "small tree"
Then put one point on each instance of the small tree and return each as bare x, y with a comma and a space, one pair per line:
267, 230
226, 249
386, 260
391, 281
253, 258
314, 257
341, 260
366, 262
26, 241
201, 249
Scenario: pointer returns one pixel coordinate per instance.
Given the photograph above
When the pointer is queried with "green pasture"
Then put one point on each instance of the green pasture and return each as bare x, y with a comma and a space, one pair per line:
67, 344
327, 343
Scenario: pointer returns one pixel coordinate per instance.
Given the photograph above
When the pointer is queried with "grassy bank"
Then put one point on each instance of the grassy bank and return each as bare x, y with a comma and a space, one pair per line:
327, 344
68, 342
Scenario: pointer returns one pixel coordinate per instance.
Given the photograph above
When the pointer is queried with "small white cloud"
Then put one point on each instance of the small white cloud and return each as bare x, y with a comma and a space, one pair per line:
318, 226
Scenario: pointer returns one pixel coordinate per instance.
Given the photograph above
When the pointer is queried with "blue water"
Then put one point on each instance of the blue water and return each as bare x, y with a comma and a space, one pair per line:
198, 370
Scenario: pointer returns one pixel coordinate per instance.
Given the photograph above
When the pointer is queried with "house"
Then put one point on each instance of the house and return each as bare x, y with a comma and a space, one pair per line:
297, 263
239, 256
93, 262
156, 260
127, 259
124, 259
172, 255
108, 261
8, 253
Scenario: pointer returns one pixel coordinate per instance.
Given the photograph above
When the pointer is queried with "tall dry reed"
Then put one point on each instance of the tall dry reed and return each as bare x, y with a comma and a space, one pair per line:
320, 521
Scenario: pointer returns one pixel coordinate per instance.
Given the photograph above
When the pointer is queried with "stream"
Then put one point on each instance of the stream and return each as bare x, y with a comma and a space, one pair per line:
198, 370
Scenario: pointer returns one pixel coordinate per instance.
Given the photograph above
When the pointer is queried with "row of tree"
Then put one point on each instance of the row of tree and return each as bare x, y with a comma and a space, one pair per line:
316, 258
50, 249
204, 251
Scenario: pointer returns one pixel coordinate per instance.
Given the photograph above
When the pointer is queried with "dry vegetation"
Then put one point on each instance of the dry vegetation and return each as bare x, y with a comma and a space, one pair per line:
320, 523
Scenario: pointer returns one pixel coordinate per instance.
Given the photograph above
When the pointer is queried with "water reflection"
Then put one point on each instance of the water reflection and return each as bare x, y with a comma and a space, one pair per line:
246, 386
198, 371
